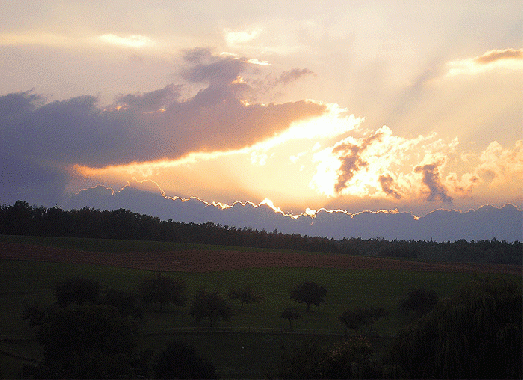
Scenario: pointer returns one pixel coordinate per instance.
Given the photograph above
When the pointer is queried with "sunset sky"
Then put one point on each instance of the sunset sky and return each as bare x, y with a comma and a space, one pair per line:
351, 105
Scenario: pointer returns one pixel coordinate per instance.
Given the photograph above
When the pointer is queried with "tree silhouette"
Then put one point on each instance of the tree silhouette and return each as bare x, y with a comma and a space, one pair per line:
290, 314
210, 306
309, 293
162, 290
246, 295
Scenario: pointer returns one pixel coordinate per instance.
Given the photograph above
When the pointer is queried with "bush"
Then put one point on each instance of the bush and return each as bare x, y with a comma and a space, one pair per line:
77, 290
419, 302
180, 361
350, 359
354, 319
477, 333
87, 341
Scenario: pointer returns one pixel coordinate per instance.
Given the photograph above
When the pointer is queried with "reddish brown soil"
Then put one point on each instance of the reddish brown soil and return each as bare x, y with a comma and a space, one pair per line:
211, 260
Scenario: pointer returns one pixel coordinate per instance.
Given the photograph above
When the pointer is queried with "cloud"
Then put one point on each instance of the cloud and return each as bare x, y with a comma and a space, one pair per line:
350, 156
440, 225
144, 127
508, 59
289, 76
150, 101
495, 55
355, 167
387, 183
501, 166
233, 38
437, 192
133, 41
208, 68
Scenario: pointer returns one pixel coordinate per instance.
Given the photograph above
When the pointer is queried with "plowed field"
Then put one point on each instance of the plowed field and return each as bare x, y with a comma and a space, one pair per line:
213, 260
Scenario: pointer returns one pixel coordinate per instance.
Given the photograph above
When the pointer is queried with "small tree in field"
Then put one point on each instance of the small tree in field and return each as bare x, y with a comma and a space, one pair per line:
162, 290
290, 314
309, 293
245, 295
210, 306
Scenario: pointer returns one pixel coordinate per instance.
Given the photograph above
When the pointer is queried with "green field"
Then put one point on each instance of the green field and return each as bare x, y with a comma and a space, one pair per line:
250, 344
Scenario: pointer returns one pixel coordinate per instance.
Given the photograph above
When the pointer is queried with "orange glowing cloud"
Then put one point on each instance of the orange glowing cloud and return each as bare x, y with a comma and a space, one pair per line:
509, 59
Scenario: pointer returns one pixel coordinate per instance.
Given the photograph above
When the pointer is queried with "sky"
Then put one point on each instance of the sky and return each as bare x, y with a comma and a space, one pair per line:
339, 105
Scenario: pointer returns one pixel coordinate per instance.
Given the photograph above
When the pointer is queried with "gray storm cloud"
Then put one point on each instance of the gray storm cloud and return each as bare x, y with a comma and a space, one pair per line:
437, 191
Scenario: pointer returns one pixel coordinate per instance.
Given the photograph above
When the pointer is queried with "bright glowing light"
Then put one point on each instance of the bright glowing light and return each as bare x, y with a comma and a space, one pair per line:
234, 38
254, 61
133, 41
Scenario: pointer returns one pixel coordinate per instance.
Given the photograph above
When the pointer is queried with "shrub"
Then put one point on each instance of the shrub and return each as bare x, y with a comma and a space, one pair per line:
350, 359
354, 319
419, 301
77, 290
180, 361
477, 333
87, 341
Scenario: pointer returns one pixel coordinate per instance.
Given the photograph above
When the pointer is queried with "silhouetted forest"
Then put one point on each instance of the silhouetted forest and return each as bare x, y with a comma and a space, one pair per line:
23, 219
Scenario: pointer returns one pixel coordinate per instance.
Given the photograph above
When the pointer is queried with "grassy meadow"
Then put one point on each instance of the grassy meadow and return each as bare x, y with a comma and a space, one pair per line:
250, 344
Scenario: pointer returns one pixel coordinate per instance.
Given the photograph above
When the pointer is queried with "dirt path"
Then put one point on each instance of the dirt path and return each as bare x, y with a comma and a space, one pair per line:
213, 260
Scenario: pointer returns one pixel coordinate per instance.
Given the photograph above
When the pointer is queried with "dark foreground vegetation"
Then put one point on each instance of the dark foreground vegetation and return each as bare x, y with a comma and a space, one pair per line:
94, 331
23, 219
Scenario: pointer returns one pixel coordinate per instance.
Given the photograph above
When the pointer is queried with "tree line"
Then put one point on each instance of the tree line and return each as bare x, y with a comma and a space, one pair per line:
24, 219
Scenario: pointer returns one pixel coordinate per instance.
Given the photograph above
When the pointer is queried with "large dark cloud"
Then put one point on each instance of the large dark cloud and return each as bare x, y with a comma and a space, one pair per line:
40, 140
